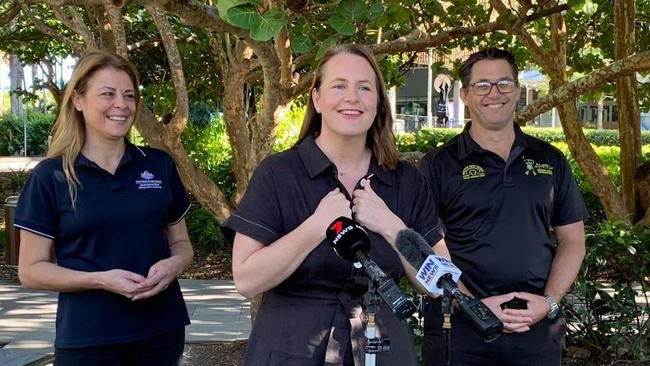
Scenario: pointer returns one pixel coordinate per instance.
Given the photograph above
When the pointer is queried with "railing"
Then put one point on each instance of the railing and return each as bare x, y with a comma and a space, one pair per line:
414, 123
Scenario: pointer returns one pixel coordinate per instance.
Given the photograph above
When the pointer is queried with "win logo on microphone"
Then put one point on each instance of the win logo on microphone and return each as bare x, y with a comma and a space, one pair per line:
427, 272
433, 268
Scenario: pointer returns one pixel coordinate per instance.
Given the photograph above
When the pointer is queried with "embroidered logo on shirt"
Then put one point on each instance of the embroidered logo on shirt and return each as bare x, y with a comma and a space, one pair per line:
534, 168
148, 181
473, 171
530, 167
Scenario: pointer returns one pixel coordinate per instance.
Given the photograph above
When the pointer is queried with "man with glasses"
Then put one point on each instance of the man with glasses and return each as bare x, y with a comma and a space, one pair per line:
499, 193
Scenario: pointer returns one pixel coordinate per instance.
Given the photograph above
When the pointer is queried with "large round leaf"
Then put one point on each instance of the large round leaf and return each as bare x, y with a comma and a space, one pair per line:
342, 25
354, 10
244, 16
376, 10
269, 25
324, 46
301, 43
224, 5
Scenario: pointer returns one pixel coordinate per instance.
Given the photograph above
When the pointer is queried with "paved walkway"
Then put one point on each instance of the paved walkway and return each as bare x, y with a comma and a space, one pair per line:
217, 312
18, 163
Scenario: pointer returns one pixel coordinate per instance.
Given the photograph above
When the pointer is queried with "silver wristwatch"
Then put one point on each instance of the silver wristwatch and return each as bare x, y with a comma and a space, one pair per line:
554, 308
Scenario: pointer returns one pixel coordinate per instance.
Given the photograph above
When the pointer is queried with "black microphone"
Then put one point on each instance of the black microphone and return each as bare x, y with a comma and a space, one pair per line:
437, 274
350, 241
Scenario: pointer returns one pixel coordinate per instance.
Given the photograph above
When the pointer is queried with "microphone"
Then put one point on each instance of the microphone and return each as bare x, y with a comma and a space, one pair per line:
350, 241
438, 274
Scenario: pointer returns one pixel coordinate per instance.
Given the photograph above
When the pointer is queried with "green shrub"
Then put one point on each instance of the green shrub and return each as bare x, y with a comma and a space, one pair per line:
210, 149
425, 139
11, 135
39, 126
289, 128
200, 115
602, 310
203, 229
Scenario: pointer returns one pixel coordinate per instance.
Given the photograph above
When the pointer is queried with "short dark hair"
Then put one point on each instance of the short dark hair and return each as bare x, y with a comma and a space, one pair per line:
490, 53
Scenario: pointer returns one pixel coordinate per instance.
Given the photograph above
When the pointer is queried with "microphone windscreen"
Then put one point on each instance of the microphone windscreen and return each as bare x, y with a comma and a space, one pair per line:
347, 238
413, 247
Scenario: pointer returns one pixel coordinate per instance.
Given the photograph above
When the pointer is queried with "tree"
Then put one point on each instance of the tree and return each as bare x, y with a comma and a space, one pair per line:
548, 43
266, 50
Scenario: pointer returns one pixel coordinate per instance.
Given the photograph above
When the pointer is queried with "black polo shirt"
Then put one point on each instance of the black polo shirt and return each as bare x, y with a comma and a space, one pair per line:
313, 304
118, 223
287, 187
498, 214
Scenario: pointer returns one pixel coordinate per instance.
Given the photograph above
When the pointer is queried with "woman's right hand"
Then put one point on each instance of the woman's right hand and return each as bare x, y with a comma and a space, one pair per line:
331, 207
122, 282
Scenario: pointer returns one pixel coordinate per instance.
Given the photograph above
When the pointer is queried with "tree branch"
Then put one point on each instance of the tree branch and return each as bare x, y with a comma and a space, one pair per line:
75, 22
179, 121
10, 13
569, 91
76, 47
114, 16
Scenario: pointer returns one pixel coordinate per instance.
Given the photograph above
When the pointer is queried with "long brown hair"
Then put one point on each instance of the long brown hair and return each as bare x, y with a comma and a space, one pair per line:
69, 133
380, 138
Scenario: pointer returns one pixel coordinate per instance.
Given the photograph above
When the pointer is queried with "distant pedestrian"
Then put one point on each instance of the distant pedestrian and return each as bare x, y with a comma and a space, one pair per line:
102, 222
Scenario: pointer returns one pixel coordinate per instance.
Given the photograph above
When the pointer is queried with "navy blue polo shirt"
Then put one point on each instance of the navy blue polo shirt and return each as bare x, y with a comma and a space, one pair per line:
498, 214
118, 223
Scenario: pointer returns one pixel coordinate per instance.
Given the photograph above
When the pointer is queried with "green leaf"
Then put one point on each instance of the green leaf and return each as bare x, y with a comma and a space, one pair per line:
589, 8
342, 25
324, 47
436, 9
376, 10
301, 44
269, 25
576, 4
397, 13
244, 17
382, 21
224, 5
354, 10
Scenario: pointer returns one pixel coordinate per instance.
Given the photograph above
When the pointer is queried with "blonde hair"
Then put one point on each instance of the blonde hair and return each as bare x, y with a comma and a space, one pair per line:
380, 138
69, 132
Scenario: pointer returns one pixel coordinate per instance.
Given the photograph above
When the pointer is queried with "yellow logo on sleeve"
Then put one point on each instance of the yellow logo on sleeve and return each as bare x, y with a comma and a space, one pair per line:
473, 171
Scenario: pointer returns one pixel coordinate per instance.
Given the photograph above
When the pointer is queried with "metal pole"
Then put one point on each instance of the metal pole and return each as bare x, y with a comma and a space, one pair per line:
447, 310
430, 88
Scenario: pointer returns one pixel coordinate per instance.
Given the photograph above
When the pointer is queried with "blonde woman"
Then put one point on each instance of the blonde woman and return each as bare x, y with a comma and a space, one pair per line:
312, 311
113, 215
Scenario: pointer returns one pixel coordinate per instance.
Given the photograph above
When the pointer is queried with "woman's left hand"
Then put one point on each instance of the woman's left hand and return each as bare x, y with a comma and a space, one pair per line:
159, 277
372, 212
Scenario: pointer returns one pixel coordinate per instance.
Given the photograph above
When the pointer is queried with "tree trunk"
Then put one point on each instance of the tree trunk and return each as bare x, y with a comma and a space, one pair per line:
16, 79
643, 191
628, 105
602, 184
201, 186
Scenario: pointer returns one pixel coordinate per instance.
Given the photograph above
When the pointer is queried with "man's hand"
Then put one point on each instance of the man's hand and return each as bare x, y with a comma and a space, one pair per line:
160, 275
512, 322
536, 310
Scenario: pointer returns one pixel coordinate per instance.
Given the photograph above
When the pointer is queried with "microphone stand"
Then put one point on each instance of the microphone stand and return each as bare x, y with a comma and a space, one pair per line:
373, 345
447, 310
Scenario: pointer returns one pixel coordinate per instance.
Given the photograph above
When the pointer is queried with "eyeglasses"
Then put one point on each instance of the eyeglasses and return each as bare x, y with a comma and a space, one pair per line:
504, 86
